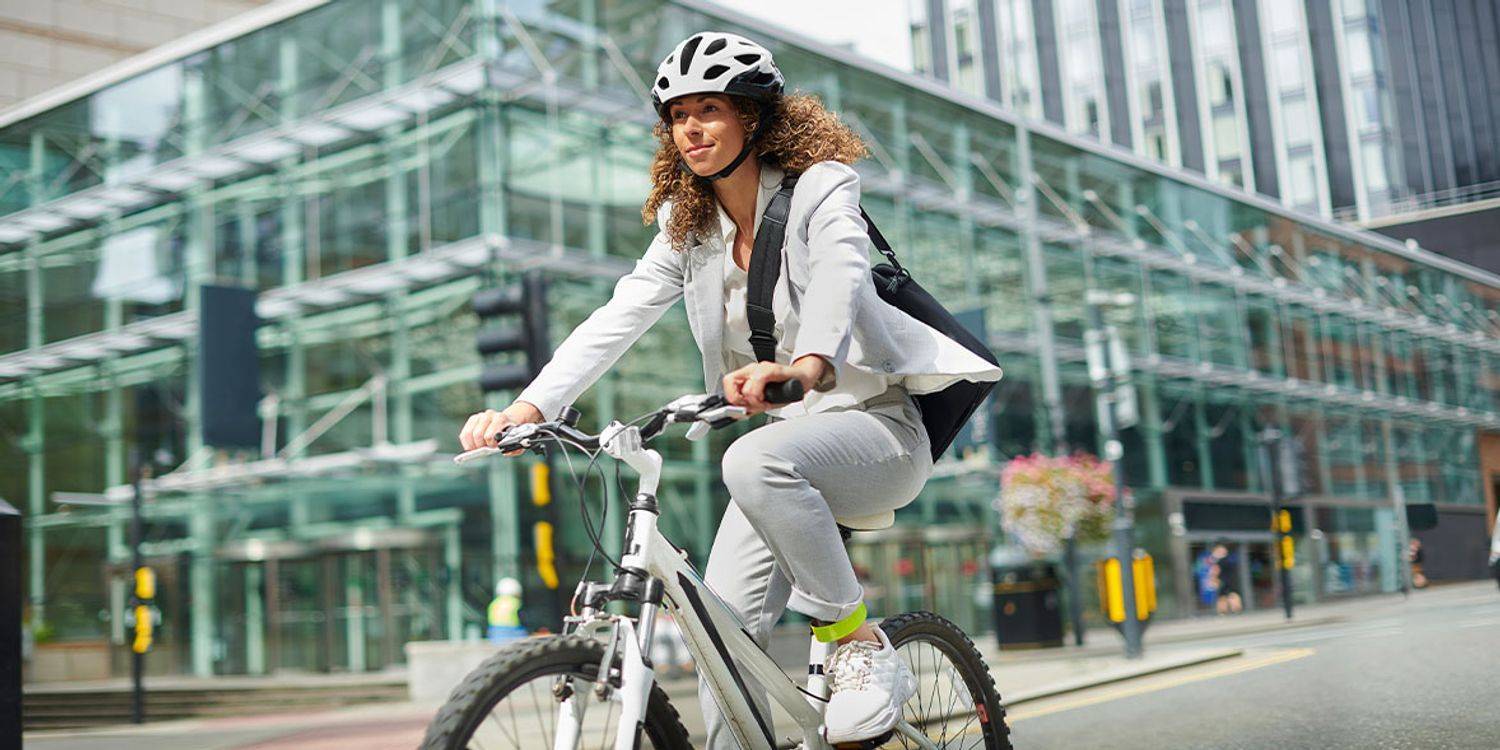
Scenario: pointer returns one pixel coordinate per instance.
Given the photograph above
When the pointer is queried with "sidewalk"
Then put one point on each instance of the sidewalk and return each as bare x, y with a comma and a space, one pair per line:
1021, 676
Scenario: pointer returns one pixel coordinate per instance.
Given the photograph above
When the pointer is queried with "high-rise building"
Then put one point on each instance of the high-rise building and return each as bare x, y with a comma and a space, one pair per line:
1364, 110
364, 166
44, 46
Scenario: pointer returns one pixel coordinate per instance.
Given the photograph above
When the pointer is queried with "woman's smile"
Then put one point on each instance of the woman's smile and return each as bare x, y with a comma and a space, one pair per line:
699, 150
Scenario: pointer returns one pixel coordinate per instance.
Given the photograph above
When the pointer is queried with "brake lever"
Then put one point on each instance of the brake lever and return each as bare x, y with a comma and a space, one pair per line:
474, 455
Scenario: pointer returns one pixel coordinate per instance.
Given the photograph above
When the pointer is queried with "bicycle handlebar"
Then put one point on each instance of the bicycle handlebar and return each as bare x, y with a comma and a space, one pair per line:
709, 409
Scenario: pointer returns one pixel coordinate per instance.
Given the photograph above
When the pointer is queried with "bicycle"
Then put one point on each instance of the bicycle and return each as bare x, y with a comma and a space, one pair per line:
600, 661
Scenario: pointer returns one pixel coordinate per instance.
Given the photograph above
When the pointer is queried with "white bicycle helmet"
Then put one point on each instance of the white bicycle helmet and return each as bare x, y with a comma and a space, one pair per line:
508, 587
715, 62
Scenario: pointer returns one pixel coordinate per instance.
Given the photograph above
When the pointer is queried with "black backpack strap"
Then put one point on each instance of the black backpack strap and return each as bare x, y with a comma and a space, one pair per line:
765, 269
878, 239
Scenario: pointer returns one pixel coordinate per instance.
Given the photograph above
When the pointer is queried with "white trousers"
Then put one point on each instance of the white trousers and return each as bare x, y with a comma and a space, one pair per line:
778, 545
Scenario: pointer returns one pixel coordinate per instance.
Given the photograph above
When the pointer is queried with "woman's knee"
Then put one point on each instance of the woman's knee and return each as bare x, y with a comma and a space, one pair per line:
744, 465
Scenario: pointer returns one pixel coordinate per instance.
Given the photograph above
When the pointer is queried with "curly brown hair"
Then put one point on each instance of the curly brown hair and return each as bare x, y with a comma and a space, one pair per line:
804, 133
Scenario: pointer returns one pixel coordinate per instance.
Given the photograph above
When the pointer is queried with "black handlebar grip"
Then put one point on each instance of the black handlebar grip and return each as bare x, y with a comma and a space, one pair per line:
785, 392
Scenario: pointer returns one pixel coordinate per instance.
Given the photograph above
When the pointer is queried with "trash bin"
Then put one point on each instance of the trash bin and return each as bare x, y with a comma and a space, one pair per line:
1028, 608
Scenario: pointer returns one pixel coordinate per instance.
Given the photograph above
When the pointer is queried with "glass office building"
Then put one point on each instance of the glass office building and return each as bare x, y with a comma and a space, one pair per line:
1365, 110
367, 165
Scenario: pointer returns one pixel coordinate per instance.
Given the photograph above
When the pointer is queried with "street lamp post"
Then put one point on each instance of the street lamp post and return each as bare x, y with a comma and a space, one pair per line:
1110, 376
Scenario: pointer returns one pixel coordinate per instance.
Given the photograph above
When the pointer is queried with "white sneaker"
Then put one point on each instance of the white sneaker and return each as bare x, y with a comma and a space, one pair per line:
869, 685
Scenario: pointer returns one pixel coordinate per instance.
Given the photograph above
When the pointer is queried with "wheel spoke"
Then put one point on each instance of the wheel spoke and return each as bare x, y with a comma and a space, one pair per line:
939, 670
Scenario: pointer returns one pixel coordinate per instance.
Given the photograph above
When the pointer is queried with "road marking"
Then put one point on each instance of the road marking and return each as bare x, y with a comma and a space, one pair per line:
1171, 681
1480, 624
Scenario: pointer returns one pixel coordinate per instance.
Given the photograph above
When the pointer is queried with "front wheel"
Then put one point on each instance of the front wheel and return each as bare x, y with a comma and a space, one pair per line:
513, 699
956, 706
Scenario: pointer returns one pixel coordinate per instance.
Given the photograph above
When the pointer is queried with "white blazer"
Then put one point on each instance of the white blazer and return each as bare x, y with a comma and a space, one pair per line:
825, 287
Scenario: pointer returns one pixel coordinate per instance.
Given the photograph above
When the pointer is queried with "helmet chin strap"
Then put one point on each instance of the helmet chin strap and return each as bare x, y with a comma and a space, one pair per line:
767, 118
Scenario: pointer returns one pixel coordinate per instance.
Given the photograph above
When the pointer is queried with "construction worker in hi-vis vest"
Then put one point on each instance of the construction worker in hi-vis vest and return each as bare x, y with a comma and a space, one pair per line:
505, 612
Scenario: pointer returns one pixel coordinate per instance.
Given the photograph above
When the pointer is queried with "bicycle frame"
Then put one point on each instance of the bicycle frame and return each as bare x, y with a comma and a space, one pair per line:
724, 653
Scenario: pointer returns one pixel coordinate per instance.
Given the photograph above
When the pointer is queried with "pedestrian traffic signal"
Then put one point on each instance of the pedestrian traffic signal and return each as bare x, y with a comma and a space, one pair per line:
512, 324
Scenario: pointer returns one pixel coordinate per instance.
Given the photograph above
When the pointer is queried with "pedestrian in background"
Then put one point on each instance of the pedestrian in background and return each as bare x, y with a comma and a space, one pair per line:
1416, 557
504, 613
1229, 601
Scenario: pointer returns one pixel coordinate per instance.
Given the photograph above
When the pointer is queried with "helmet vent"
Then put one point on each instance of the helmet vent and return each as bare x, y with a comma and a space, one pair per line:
688, 50
748, 58
715, 71
714, 46
662, 82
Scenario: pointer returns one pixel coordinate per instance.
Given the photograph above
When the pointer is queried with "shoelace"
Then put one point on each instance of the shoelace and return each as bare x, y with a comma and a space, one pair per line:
852, 665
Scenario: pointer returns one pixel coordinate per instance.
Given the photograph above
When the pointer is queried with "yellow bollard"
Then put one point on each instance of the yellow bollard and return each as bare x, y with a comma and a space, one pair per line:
1112, 589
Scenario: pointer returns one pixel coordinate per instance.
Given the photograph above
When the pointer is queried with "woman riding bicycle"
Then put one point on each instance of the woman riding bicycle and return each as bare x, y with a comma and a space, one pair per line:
854, 448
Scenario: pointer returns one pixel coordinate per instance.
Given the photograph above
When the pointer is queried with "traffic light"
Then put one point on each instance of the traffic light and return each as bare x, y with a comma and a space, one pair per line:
143, 618
1283, 526
512, 321
542, 537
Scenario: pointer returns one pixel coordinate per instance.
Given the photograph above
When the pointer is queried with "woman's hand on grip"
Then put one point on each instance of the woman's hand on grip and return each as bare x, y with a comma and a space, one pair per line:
484, 428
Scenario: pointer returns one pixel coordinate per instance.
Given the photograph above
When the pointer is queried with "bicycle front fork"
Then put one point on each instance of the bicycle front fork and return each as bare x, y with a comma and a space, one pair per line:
629, 685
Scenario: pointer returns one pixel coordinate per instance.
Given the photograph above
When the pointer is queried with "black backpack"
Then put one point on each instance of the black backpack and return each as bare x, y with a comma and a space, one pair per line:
945, 412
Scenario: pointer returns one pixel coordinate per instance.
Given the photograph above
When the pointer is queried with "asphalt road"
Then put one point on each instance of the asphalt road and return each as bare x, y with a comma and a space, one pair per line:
1423, 673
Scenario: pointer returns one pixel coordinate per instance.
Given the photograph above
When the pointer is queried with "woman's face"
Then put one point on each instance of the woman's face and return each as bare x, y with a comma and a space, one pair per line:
707, 130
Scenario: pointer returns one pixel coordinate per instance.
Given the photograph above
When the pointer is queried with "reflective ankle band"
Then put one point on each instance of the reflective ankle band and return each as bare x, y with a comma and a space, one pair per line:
834, 631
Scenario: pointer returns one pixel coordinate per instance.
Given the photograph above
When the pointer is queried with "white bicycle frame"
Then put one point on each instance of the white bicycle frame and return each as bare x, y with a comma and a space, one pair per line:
725, 655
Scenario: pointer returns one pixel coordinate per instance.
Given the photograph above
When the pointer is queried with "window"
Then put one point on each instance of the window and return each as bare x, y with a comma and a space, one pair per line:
1074, 9
1297, 121
1230, 173
1288, 61
1357, 48
1156, 145
1283, 17
1214, 26
1303, 178
1226, 137
1369, 109
921, 44
1374, 161
1152, 106
921, 51
1018, 60
1220, 86
1083, 66
1143, 44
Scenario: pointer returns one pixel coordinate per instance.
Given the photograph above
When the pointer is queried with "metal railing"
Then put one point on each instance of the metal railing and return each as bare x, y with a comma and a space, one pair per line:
1412, 204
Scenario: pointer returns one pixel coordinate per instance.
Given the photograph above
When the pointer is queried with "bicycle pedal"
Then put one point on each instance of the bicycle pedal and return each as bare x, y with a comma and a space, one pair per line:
869, 744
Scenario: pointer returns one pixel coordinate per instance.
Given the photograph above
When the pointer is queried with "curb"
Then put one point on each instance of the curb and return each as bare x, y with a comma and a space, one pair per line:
995, 657
1121, 676
1255, 629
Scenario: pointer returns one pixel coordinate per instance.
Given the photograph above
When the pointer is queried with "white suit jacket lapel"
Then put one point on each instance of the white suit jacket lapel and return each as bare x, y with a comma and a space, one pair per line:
706, 294
705, 290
